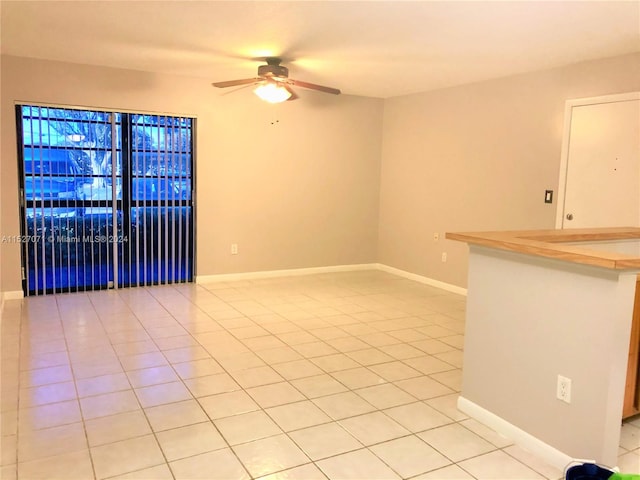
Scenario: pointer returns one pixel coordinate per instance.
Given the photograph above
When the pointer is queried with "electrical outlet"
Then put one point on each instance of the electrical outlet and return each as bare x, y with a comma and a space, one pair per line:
563, 389
444, 256
436, 236
234, 249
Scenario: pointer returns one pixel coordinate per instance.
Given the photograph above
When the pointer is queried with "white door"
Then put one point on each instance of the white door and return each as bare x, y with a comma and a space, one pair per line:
602, 186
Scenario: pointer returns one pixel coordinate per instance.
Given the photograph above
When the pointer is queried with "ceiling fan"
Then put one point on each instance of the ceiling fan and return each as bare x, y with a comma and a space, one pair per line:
274, 84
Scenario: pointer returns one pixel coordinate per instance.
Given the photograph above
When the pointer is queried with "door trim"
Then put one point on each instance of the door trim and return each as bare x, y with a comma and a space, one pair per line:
564, 158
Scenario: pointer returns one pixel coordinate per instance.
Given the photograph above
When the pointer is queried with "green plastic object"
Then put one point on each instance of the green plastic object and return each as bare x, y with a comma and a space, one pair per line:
624, 476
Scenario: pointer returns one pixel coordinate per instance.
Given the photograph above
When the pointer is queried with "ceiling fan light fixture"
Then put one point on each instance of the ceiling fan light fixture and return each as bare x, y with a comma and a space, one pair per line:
274, 83
272, 92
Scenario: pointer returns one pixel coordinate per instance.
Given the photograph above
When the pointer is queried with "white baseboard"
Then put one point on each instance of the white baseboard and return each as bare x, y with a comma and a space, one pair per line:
15, 295
537, 447
422, 279
226, 277
12, 295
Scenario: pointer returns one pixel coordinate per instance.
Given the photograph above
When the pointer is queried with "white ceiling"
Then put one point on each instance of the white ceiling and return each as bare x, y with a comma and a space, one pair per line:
370, 48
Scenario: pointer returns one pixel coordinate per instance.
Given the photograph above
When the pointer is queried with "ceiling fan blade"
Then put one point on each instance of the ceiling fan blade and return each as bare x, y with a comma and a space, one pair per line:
313, 86
294, 95
233, 83
234, 90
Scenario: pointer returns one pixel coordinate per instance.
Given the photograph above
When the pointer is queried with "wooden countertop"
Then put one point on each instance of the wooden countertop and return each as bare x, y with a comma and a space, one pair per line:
552, 244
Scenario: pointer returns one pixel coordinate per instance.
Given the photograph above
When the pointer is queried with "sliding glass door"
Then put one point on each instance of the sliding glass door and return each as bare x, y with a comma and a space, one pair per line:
106, 199
158, 201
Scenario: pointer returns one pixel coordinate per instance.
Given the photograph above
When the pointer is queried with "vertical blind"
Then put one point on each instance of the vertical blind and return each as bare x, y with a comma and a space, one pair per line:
106, 199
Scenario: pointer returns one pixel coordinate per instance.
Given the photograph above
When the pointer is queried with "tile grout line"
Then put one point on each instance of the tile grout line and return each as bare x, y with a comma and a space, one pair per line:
228, 328
84, 425
307, 399
134, 393
193, 397
264, 410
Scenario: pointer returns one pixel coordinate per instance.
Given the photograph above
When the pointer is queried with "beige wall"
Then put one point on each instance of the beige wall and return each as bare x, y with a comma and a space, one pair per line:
294, 185
478, 157
297, 185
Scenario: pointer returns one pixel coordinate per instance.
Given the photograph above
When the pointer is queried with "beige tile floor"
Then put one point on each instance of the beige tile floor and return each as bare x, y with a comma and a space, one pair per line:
339, 376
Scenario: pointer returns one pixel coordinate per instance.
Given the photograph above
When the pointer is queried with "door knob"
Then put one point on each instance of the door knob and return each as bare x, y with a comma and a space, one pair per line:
569, 216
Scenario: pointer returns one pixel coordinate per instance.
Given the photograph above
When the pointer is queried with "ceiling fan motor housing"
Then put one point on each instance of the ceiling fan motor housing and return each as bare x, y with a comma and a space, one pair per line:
273, 71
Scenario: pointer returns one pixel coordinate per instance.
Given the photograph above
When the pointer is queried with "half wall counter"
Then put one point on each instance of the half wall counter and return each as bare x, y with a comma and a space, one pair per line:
546, 304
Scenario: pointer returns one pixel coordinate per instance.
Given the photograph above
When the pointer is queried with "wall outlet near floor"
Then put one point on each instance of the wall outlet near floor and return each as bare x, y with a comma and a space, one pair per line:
444, 256
563, 389
234, 249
